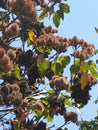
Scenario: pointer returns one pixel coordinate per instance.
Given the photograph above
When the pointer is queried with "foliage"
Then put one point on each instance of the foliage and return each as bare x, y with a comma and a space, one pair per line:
34, 80
89, 125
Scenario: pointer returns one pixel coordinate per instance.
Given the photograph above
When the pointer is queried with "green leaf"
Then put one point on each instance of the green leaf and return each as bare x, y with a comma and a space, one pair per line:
56, 19
1, 74
60, 14
93, 72
49, 119
45, 102
17, 71
43, 15
85, 66
65, 7
92, 64
74, 69
28, 42
43, 49
64, 60
67, 102
40, 49
77, 62
42, 66
56, 68
50, 91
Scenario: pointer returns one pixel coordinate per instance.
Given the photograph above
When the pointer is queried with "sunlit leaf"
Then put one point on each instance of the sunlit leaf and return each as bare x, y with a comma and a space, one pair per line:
49, 119
93, 72
28, 42
42, 64
17, 71
50, 91
56, 19
84, 67
68, 102
63, 60
31, 35
77, 62
1, 74
92, 64
45, 102
56, 68
43, 49
84, 80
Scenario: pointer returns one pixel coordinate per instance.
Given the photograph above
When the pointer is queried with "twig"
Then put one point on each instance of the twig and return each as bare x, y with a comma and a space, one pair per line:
11, 109
62, 125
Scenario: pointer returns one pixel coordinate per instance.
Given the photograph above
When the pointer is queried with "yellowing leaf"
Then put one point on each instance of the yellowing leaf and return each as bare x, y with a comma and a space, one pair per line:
81, 69
84, 80
31, 36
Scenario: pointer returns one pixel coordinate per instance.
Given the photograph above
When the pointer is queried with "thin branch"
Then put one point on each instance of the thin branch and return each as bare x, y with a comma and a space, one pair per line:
10, 110
62, 125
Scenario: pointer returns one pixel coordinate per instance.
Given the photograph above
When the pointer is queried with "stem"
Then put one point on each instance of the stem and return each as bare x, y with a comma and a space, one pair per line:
62, 125
11, 110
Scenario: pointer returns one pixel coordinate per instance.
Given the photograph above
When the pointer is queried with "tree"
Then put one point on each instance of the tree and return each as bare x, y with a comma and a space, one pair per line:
38, 61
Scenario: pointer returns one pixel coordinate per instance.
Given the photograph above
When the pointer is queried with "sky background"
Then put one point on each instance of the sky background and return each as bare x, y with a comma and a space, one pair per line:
81, 22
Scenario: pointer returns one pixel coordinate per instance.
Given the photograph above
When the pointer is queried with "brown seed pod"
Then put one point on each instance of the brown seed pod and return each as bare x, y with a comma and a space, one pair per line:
4, 61
15, 121
11, 53
2, 52
8, 67
39, 105
16, 87
70, 116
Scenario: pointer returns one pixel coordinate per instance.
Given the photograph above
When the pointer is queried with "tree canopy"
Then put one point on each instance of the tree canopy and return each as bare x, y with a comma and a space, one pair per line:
34, 65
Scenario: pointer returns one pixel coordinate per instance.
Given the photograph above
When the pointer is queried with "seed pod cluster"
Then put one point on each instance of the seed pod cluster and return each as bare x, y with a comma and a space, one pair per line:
59, 83
11, 94
29, 124
5, 64
27, 12
87, 50
70, 116
12, 30
58, 43
48, 29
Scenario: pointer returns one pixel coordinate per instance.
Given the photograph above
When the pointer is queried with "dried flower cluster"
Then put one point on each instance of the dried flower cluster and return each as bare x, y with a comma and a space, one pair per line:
59, 83
87, 49
11, 94
12, 54
48, 29
12, 30
70, 116
3, 24
58, 43
5, 64
14, 90
42, 3
25, 10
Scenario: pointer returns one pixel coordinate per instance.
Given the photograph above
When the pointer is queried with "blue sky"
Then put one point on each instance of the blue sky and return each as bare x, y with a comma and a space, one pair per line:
81, 22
